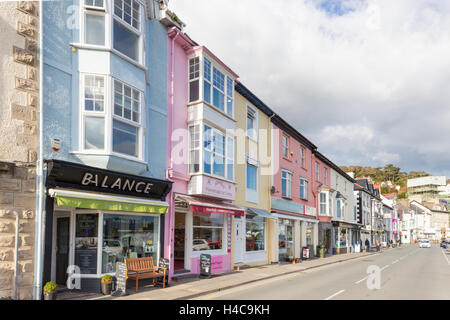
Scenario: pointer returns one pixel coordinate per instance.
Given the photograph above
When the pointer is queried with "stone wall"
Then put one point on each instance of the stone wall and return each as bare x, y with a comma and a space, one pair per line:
18, 143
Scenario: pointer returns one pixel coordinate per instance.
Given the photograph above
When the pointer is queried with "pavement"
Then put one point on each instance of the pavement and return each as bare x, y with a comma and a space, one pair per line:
197, 288
405, 273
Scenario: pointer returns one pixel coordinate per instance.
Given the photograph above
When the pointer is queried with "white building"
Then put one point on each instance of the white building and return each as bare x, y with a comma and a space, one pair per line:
422, 221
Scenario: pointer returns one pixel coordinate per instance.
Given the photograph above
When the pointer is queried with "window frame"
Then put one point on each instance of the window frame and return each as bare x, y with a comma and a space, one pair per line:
303, 157
195, 253
109, 117
288, 186
254, 135
108, 11
283, 147
305, 186
325, 175
202, 149
317, 171
263, 222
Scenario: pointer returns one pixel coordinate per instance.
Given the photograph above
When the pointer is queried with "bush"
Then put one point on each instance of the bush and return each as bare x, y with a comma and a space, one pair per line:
107, 279
50, 286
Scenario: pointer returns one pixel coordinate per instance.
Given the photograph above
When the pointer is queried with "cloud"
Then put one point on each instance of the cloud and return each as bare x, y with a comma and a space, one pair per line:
343, 68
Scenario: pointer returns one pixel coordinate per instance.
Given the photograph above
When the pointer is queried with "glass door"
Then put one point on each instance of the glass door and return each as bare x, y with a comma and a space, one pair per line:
282, 241
290, 241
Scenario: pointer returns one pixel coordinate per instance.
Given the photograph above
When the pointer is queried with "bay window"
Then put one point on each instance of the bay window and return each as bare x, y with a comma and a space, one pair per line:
255, 233
215, 152
208, 231
110, 127
286, 184
303, 189
218, 88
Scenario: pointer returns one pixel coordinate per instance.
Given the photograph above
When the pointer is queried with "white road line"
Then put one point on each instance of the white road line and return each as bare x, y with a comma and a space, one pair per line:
334, 295
384, 267
445, 256
394, 262
361, 280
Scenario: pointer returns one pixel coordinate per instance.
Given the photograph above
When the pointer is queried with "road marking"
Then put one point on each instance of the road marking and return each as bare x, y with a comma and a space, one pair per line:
361, 280
384, 267
445, 256
394, 262
334, 295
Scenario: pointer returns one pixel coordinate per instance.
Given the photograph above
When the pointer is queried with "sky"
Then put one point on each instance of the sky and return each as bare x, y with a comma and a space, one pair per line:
368, 82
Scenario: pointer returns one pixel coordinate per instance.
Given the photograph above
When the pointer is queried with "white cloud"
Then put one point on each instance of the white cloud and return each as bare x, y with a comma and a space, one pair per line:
385, 66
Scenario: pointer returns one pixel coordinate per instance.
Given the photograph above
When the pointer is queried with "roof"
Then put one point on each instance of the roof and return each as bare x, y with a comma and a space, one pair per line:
290, 130
250, 96
334, 166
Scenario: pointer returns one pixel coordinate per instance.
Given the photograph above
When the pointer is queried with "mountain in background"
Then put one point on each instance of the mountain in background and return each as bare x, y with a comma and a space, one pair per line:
389, 177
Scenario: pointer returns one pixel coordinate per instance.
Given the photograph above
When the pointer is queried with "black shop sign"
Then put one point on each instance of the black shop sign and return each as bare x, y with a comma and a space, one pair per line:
76, 176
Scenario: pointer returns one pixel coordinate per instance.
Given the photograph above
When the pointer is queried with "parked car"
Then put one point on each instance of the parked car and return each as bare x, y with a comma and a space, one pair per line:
200, 244
424, 243
444, 244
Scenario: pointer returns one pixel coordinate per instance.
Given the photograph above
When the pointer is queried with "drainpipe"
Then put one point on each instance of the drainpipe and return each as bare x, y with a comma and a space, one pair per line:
38, 249
169, 137
16, 255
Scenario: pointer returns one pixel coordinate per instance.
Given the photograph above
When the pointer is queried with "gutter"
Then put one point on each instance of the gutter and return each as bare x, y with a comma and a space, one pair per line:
38, 248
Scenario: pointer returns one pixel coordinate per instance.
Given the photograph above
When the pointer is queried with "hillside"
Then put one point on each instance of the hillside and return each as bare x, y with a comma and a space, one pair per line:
388, 173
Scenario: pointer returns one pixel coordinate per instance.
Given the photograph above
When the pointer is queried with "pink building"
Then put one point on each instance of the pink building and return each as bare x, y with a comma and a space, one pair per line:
295, 190
200, 157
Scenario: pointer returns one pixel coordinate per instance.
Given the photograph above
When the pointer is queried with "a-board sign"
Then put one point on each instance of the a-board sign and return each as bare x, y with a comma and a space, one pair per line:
121, 279
305, 253
205, 265
164, 263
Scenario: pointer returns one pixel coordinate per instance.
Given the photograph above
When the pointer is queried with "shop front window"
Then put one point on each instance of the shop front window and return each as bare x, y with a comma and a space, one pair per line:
86, 237
343, 238
208, 230
255, 233
309, 234
128, 236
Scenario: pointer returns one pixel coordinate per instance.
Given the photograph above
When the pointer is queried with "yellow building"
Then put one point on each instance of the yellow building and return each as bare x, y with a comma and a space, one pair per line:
253, 235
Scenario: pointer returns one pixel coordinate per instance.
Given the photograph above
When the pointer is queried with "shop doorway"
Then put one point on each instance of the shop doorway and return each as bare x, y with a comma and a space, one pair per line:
286, 240
179, 241
239, 240
62, 249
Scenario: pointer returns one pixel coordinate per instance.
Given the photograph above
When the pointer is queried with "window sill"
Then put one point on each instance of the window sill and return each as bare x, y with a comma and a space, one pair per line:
112, 50
287, 159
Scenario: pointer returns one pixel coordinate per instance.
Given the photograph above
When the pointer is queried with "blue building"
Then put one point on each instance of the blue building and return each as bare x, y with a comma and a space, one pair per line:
104, 136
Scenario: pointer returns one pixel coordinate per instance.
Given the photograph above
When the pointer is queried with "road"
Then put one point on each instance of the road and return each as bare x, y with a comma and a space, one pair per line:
405, 273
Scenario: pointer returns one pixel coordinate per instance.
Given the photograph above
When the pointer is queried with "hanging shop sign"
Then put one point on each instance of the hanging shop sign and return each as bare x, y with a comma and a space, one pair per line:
76, 176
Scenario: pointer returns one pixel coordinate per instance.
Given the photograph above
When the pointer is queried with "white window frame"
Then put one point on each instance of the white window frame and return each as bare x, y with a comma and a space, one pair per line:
288, 183
303, 156
110, 17
285, 147
252, 133
304, 180
227, 158
326, 203
197, 129
109, 116
250, 194
198, 78
213, 252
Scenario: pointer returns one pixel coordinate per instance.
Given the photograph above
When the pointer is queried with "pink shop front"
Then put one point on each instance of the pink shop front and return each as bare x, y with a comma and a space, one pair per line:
202, 226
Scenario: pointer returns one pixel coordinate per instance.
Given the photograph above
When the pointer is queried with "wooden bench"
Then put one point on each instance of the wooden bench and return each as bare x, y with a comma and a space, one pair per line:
143, 268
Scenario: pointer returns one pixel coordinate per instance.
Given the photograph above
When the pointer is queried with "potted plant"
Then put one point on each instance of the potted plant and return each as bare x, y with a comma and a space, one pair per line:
106, 284
50, 291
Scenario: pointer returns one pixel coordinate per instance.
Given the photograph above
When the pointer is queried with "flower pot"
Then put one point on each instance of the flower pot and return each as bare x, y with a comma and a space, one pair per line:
106, 288
292, 261
50, 295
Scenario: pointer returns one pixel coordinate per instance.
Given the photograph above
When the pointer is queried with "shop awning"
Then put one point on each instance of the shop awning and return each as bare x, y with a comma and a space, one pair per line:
85, 200
210, 206
261, 213
292, 217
